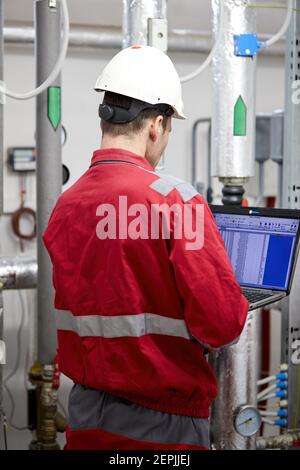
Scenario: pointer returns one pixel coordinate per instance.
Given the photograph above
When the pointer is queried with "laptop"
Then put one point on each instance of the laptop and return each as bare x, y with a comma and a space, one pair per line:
262, 245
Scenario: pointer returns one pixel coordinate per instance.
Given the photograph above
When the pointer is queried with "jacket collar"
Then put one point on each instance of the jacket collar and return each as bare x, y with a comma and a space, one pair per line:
116, 154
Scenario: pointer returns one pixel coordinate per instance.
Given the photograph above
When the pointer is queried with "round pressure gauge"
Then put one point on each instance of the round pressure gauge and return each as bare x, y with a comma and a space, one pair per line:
247, 420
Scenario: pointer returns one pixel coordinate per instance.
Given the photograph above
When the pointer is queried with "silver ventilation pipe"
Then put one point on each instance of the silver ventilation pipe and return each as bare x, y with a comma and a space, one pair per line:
234, 89
137, 15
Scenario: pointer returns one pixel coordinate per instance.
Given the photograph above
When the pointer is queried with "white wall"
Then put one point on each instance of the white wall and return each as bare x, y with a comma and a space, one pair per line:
80, 104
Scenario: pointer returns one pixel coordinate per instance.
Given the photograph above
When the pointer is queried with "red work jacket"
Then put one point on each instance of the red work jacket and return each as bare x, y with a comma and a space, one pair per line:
136, 310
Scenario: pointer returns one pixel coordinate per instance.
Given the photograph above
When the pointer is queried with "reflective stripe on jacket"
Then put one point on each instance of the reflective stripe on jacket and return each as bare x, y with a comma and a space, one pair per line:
135, 315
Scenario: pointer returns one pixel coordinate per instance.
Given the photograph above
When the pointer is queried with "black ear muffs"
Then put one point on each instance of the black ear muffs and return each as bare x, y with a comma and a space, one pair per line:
118, 115
106, 112
115, 114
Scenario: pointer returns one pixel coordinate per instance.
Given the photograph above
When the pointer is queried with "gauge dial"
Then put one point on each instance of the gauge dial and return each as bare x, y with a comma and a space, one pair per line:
247, 420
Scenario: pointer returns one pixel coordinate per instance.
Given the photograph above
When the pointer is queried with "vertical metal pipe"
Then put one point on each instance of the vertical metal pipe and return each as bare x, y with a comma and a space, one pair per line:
236, 370
233, 90
2, 100
49, 166
136, 14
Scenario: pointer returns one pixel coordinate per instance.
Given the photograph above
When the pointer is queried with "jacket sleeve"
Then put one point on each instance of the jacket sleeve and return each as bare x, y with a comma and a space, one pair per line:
214, 307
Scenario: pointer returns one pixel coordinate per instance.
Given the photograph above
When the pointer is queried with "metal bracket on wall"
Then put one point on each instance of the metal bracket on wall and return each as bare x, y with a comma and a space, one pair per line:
158, 33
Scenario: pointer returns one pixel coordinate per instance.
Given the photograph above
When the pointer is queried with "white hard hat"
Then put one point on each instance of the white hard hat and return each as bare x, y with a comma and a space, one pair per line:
146, 74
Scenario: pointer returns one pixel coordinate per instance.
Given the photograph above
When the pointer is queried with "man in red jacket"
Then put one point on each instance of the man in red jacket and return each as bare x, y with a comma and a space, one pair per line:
142, 279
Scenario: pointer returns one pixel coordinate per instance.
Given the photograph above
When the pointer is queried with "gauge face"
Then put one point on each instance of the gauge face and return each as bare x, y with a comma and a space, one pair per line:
247, 421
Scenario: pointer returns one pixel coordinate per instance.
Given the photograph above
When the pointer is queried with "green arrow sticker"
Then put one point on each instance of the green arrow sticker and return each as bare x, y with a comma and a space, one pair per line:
54, 106
240, 118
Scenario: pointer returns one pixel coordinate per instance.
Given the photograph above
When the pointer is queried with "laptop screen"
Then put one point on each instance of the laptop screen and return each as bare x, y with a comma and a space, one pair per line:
261, 248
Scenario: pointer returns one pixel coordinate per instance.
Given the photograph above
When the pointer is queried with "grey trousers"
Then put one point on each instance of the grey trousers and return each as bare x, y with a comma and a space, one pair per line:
94, 409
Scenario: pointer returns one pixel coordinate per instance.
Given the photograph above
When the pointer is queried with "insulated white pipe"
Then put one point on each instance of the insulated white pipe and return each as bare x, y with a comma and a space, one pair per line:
234, 90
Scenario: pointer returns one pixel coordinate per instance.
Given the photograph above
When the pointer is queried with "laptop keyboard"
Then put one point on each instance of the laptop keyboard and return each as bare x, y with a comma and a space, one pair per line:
253, 296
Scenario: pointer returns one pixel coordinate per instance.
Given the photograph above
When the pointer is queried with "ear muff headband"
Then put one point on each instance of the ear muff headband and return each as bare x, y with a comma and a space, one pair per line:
118, 115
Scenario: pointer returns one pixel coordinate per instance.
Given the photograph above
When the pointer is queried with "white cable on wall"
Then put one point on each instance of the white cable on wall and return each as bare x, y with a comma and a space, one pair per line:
266, 391
209, 58
268, 421
57, 68
268, 413
284, 27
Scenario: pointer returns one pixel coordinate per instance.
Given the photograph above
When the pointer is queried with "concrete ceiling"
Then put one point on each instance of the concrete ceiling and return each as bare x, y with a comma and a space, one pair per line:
190, 14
